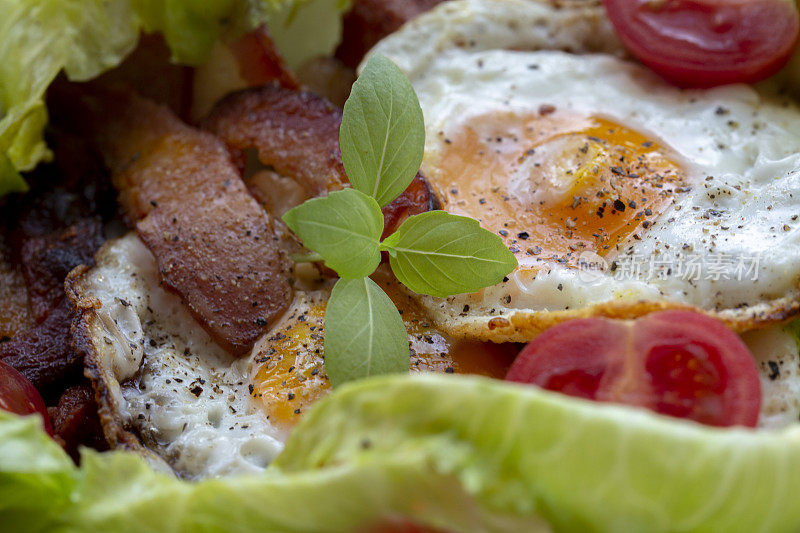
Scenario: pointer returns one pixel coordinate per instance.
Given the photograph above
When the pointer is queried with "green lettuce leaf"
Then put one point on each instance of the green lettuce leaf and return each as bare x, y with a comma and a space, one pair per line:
520, 451
307, 29
39, 39
36, 476
463, 453
118, 492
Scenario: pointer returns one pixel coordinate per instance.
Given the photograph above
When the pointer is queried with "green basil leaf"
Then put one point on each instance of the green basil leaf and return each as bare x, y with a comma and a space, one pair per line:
344, 227
441, 254
382, 136
364, 334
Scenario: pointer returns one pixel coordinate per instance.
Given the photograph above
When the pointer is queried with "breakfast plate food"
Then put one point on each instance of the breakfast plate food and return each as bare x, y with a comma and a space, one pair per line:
532, 265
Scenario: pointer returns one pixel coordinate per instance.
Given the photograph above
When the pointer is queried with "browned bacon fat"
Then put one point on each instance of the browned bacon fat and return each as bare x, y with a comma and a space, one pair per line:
214, 245
14, 311
369, 21
296, 133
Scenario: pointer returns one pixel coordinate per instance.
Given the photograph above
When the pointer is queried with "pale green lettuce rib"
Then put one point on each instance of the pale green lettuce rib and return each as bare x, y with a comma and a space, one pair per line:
584, 466
119, 492
39, 38
468, 454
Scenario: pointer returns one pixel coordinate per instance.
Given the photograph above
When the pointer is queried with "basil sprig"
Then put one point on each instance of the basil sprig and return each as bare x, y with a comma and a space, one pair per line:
382, 139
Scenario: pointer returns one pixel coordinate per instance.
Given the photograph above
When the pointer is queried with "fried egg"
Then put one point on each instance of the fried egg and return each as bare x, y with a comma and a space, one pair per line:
618, 193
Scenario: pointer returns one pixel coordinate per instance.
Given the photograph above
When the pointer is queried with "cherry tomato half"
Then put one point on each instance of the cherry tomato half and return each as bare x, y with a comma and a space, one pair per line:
19, 396
704, 43
677, 363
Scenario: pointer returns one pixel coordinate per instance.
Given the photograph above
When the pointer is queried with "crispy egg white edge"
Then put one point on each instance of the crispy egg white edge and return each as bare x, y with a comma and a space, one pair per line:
465, 42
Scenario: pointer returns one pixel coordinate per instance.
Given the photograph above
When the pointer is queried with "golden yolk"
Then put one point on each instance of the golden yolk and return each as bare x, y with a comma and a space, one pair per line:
290, 374
555, 186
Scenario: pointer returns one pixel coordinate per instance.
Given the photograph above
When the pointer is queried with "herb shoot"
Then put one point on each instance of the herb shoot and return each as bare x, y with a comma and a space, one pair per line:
382, 139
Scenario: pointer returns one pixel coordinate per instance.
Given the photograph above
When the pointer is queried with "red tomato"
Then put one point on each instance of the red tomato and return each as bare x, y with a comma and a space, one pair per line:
19, 396
677, 363
704, 43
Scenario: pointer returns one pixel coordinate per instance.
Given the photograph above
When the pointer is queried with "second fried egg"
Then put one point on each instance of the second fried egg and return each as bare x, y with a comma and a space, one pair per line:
618, 193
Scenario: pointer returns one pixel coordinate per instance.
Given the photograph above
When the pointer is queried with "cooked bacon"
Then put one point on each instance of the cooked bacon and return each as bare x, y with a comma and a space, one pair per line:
43, 235
214, 245
369, 21
296, 133
417, 198
76, 422
43, 353
46, 261
14, 311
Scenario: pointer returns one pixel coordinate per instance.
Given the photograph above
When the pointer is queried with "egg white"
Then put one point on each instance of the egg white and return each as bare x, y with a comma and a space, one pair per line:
776, 353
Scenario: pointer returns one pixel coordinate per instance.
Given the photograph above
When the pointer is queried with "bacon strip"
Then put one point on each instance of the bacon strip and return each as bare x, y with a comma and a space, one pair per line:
14, 310
46, 261
76, 422
214, 245
296, 133
43, 354
417, 198
369, 21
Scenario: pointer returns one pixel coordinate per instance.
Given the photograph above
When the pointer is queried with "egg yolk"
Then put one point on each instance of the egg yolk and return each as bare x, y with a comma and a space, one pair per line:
289, 373
554, 186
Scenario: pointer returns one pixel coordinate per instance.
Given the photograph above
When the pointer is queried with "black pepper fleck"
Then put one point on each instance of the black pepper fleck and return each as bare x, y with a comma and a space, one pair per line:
774, 370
